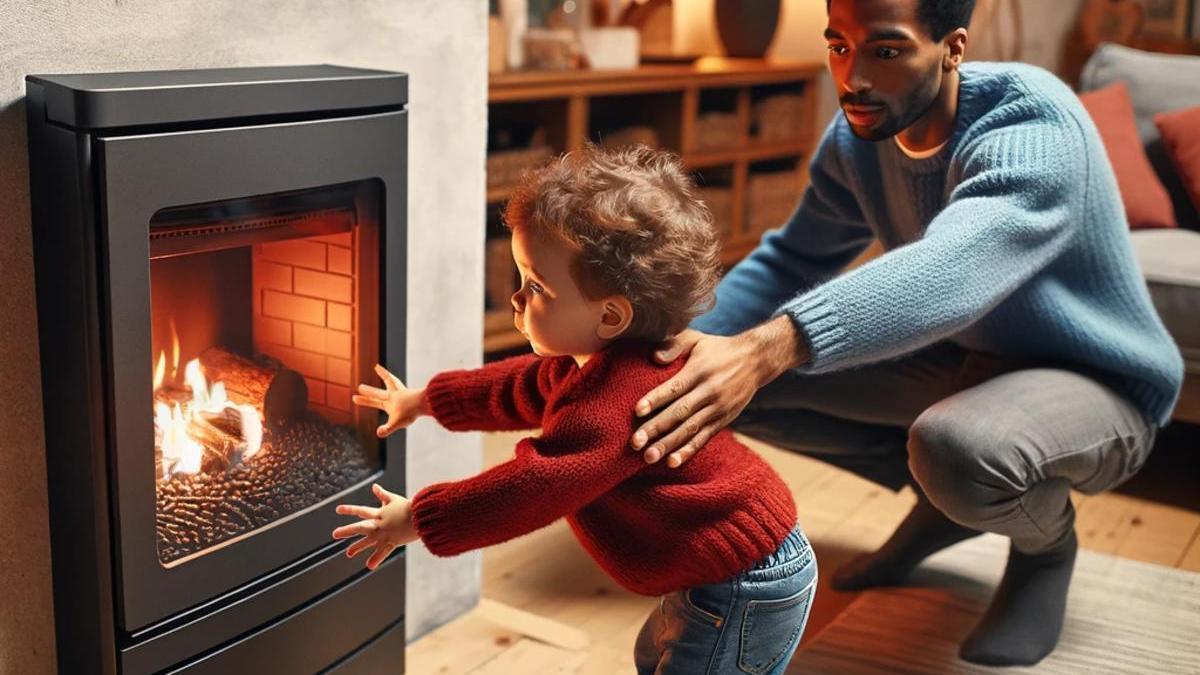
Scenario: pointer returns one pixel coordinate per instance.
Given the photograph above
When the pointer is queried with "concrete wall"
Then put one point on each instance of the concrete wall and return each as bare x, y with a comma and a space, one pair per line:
441, 43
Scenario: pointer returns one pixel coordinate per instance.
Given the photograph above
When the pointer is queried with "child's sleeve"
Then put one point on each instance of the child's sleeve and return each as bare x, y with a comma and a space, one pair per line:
503, 396
548, 478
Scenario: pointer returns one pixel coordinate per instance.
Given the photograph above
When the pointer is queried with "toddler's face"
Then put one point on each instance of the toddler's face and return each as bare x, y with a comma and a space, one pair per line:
550, 309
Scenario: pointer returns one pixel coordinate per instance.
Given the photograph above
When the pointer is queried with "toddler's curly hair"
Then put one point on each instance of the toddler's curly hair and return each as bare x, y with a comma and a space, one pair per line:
639, 229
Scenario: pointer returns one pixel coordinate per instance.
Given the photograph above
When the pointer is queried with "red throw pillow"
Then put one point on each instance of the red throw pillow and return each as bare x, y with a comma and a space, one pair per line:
1180, 131
1147, 203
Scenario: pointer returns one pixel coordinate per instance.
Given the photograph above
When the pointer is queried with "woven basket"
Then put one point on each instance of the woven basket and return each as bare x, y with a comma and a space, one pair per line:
771, 198
504, 167
631, 136
720, 203
779, 117
716, 130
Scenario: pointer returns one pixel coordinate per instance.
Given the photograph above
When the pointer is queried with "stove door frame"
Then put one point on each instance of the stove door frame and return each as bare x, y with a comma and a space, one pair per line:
142, 174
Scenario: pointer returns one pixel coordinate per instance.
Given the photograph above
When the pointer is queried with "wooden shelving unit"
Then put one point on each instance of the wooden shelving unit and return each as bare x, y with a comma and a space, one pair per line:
575, 107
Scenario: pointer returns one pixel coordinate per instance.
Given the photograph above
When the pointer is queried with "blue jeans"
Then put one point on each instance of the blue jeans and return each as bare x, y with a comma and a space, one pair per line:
751, 623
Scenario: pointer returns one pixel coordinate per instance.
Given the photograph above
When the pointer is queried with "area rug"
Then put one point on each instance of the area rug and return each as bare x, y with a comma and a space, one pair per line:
1123, 616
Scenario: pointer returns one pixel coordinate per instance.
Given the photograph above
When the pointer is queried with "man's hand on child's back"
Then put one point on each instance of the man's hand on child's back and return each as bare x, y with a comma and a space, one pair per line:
385, 528
713, 387
402, 405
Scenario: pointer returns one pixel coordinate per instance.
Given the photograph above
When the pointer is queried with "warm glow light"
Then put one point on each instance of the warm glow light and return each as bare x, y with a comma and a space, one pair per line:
182, 451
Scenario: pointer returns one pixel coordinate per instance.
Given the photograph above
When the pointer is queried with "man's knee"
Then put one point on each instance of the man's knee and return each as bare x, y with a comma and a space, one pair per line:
962, 466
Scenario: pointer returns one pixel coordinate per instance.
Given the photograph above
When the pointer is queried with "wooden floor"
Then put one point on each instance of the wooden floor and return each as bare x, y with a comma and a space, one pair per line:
548, 574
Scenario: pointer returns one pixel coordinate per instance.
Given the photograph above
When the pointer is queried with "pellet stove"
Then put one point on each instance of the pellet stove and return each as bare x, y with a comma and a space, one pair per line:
220, 259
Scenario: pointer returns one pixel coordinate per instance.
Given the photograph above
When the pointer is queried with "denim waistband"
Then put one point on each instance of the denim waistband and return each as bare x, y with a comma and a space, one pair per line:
793, 553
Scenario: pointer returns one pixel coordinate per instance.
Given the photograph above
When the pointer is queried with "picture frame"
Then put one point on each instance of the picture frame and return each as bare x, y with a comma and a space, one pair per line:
1168, 18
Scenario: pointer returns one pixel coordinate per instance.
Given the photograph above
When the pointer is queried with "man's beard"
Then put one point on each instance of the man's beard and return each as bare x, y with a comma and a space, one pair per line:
912, 108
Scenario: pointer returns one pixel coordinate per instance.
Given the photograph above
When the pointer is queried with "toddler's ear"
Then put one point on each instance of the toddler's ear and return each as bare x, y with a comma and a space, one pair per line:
618, 314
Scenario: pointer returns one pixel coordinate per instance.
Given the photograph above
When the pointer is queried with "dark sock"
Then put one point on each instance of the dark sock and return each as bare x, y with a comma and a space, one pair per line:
924, 532
1023, 623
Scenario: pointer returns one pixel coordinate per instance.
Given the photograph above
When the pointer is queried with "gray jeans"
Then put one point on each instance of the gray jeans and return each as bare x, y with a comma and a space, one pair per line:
995, 445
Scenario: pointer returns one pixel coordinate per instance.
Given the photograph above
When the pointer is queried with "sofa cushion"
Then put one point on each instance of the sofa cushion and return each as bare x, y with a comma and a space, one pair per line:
1170, 260
1157, 83
1146, 201
1180, 132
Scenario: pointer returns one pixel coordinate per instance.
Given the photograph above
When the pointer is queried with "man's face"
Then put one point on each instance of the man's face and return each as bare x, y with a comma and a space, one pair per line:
887, 68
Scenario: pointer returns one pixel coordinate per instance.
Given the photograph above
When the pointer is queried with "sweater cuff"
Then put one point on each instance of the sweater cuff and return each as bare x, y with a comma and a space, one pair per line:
816, 318
446, 393
429, 521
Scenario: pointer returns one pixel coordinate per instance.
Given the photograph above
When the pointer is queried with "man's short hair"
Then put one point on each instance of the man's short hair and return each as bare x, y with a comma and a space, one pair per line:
940, 16
638, 228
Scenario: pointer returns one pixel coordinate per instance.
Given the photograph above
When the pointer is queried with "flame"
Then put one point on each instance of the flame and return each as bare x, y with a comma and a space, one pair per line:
160, 370
181, 451
199, 386
174, 351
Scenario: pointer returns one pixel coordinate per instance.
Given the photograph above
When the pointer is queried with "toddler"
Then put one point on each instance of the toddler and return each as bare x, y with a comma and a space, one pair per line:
615, 254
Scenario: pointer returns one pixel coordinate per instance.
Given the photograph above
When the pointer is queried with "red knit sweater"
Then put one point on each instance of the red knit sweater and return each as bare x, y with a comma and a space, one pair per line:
652, 528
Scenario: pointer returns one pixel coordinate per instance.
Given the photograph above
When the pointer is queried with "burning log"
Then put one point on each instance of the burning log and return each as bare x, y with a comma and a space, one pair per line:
217, 422
221, 438
287, 398
280, 395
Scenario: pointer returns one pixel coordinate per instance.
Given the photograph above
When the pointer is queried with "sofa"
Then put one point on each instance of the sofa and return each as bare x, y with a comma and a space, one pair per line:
1170, 256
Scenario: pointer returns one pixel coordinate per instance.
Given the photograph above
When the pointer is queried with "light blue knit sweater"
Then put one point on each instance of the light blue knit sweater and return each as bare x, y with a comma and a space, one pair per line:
1011, 240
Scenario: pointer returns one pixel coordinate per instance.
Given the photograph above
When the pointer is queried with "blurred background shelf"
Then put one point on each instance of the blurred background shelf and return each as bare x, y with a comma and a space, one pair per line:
741, 126
499, 335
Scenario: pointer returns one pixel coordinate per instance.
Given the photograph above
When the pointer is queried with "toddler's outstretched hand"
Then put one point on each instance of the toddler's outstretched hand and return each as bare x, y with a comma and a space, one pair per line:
402, 405
385, 528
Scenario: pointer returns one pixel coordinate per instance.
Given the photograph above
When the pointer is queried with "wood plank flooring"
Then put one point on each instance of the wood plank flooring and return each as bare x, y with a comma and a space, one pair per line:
548, 574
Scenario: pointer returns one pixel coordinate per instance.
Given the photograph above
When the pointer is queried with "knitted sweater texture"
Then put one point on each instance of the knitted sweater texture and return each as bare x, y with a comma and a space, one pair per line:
651, 528
1011, 240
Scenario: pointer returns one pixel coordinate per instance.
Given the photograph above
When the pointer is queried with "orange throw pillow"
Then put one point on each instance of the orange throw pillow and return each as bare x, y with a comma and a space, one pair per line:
1147, 203
1180, 130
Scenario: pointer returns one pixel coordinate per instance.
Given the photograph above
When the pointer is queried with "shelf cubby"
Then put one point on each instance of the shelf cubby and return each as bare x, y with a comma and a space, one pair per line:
678, 103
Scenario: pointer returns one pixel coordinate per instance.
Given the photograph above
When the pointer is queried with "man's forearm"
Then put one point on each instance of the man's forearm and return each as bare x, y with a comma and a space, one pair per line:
778, 347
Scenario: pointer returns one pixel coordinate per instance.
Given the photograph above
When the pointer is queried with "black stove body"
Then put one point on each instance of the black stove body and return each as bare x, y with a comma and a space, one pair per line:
220, 258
